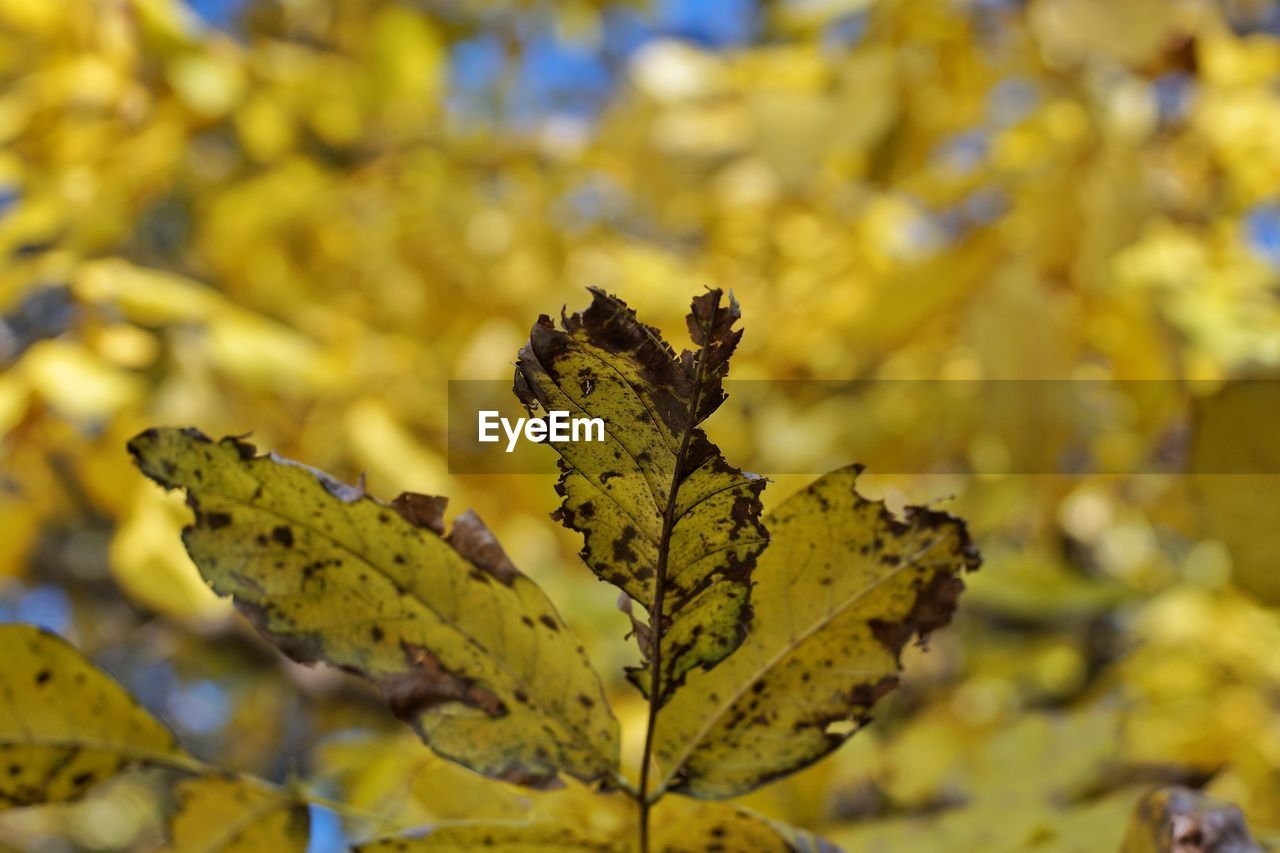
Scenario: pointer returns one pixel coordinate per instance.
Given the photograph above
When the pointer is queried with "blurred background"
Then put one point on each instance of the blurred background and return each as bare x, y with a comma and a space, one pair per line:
300, 219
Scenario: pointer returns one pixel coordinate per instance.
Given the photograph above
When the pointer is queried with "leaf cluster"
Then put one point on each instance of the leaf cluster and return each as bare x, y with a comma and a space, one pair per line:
764, 639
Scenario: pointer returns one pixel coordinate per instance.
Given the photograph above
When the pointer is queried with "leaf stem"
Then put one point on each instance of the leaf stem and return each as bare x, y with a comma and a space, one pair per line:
659, 594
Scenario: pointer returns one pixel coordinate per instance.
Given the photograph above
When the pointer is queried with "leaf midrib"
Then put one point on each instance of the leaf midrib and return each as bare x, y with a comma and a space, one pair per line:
656, 685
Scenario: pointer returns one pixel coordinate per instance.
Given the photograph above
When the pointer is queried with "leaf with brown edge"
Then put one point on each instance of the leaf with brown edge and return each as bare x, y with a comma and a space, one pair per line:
466, 649
224, 814
663, 516
842, 588
64, 724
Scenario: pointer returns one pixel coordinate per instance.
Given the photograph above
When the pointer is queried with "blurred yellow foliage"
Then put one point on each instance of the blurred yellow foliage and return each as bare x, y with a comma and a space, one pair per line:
302, 223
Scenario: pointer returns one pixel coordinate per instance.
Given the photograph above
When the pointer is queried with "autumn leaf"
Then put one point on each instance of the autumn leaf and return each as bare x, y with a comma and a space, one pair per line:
64, 724
466, 649
842, 588
230, 815
663, 516
509, 836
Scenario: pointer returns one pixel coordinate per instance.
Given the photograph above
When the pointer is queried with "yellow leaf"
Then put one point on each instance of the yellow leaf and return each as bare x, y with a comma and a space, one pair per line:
390, 775
1069, 31
841, 589
512, 837
663, 516
172, 23
685, 826
148, 297
383, 446
266, 129
210, 86
406, 64
466, 649
76, 382
64, 724
232, 816
150, 564
15, 397
259, 352
36, 17
407, 787
19, 525
682, 826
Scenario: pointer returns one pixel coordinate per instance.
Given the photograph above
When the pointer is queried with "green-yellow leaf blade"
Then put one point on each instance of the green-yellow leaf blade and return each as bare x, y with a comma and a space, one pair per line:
663, 516
841, 589
227, 815
64, 724
467, 650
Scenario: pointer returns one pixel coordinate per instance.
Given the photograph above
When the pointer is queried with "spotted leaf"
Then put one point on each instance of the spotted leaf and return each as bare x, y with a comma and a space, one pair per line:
842, 588
466, 649
663, 516
64, 724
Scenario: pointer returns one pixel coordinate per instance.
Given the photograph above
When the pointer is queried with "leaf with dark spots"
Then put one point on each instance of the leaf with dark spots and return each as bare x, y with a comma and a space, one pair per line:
933, 607
622, 552
65, 725
445, 625
832, 617
663, 516
216, 519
